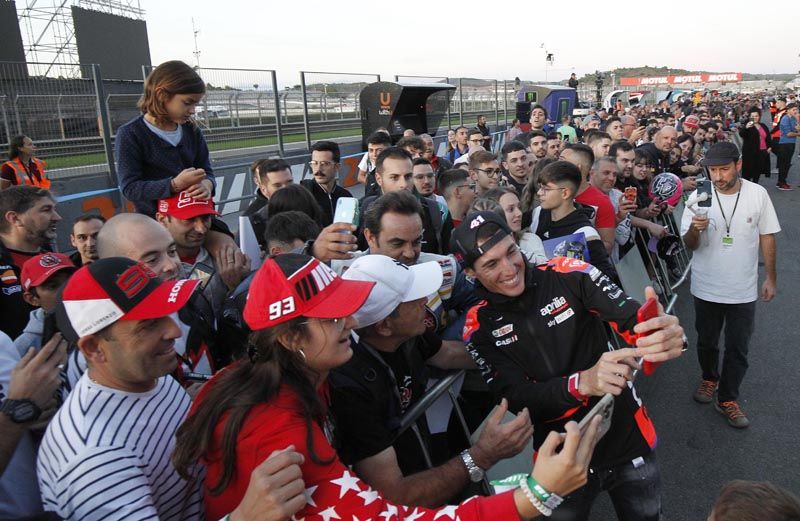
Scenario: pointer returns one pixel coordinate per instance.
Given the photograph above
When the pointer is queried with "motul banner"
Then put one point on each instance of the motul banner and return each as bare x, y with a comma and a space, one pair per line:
681, 80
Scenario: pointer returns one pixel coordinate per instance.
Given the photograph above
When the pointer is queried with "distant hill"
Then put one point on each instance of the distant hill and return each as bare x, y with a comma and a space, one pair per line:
635, 72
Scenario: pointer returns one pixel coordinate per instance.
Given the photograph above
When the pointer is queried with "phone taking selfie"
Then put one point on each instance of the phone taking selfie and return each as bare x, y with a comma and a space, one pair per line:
605, 409
648, 310
346, 211
704, 187
630, 193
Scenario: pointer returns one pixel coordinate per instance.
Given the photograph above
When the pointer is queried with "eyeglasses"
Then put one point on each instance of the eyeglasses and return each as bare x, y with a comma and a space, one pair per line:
338, 322
489, 172
545, 189
323, 164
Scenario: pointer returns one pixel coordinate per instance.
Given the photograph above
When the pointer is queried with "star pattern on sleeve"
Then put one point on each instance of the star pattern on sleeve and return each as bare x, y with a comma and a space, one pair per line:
346, 483
369, 496
449, 511
391, 511
328, 514
309, 493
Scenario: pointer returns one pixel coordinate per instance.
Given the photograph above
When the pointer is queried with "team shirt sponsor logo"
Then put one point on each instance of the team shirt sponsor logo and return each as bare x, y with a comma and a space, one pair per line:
557, 305
503, 331
506, 341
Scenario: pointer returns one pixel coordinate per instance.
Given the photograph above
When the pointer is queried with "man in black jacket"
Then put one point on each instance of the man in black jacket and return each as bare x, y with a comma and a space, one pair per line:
325, 158
539, 340
269, 175
28, 221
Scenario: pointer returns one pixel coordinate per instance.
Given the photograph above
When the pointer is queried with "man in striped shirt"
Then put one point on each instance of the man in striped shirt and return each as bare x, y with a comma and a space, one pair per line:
106, 453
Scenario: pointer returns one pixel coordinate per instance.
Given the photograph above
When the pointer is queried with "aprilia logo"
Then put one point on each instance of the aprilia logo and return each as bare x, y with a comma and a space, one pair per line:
555, 306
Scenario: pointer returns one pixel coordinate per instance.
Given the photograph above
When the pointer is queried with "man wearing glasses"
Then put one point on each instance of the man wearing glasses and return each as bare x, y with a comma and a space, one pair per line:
484, 170
325, 157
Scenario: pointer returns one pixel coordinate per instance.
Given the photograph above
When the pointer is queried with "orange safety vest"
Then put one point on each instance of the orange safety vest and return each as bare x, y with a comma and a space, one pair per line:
776, 124
24, 178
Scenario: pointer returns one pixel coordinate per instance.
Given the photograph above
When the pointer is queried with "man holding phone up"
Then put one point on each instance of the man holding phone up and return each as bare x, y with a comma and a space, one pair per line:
539, 340
740, 221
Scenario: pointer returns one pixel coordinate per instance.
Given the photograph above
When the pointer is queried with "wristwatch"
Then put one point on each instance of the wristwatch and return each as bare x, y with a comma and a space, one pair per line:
20, 411
475, 472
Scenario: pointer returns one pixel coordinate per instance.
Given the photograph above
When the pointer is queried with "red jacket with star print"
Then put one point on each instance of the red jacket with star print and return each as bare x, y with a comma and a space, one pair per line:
333, 491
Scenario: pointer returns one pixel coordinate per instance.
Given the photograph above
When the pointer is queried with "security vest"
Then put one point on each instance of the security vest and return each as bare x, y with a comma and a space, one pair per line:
26, 178
776, 124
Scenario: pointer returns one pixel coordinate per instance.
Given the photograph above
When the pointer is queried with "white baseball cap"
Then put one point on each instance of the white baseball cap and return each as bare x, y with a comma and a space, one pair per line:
395, 283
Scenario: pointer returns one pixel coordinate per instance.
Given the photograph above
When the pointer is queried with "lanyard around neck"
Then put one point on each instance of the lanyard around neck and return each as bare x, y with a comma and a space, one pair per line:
722, 210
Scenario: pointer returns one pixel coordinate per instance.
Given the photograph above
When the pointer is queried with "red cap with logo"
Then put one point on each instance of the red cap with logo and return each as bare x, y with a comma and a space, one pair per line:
184, 206
38, 269
116, 288
293, 285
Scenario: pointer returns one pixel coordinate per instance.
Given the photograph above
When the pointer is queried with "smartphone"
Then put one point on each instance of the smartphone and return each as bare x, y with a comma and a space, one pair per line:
648, 310
605, 409
198, 377
630, 193
346, 211
704, 187
49, 327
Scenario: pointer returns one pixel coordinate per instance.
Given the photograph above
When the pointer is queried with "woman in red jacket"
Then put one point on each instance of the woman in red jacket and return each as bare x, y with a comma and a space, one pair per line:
300, 312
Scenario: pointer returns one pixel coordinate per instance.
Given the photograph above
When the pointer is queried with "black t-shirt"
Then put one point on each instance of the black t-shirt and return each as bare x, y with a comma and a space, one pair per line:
370, 394
14, 311
509, 180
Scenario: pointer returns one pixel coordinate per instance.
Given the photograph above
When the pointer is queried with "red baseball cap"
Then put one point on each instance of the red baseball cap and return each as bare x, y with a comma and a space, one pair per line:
184, 206
116, 288
36, 270
293, 285
691, 121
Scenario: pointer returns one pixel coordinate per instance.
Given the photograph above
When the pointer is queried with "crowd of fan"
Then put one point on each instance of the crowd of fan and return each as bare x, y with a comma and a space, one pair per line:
153, 374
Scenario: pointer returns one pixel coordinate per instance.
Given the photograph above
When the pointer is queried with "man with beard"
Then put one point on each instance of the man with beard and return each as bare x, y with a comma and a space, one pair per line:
518, 167
537, 144
84, 238
28, 220
725, 276
663, 142
624, 155
188, 221
325, 158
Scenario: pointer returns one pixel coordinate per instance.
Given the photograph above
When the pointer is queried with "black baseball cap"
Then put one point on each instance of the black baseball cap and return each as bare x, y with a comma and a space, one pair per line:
464, 240
116, 288
721, 153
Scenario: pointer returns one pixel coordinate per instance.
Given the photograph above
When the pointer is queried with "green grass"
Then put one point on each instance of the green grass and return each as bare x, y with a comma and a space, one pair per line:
100, 158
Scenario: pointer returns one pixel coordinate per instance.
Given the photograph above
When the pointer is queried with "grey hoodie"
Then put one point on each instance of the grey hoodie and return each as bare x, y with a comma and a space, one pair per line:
32, 334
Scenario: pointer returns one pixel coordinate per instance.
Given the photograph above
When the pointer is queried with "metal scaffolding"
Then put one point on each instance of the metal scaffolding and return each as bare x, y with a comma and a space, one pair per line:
49, 35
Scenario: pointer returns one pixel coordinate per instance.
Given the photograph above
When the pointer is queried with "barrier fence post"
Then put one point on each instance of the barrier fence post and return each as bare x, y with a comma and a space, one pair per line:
496, 106
505, 102
105, 124
460, 102
305, 109
449, 100
277, 101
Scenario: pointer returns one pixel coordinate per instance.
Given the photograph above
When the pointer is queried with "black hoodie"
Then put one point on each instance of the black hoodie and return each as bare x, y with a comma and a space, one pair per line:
580, 220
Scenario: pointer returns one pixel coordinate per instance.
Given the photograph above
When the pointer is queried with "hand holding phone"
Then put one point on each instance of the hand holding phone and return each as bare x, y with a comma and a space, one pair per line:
648, 310
346, 211
704, 187
605, 409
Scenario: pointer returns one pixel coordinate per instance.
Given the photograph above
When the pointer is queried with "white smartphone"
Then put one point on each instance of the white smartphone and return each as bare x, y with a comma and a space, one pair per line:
605, 409
346, 211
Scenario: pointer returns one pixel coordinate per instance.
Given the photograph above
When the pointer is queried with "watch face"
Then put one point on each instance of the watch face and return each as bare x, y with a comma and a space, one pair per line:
475, 474
24, 411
